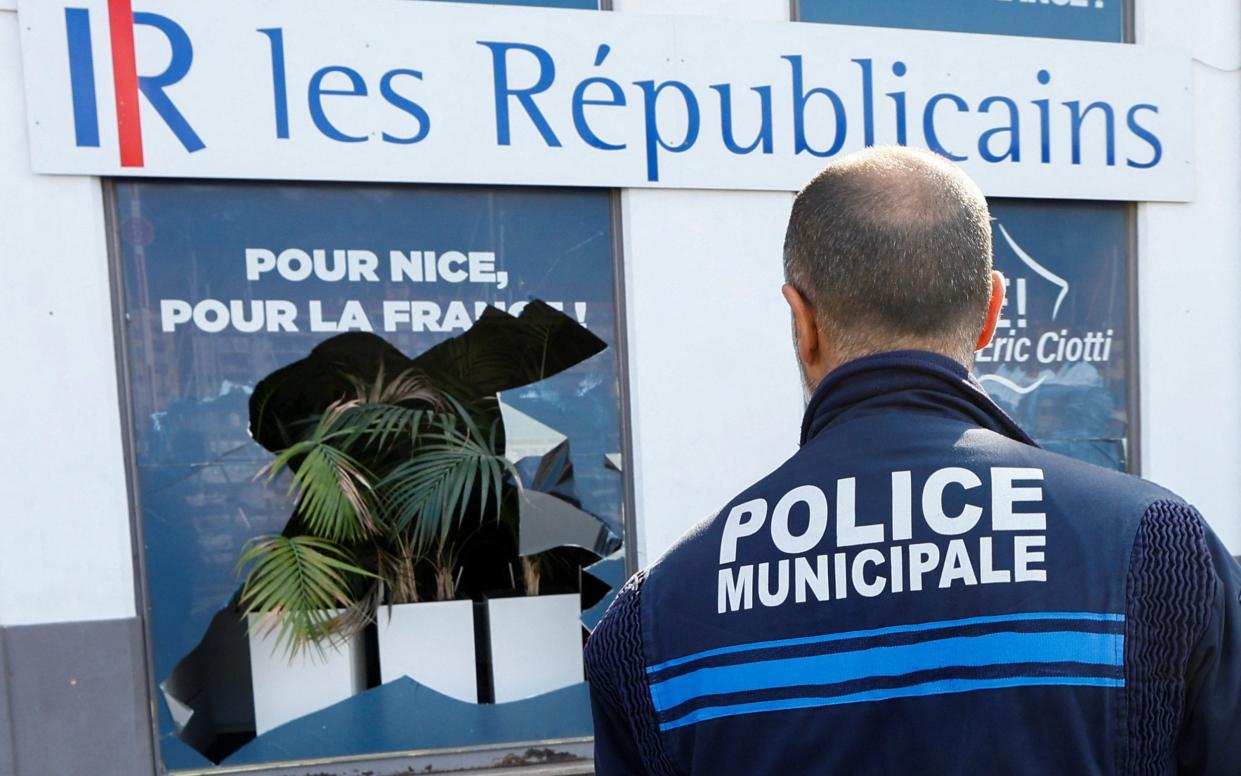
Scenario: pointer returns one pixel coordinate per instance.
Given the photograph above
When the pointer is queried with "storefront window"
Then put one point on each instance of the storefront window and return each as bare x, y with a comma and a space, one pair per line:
259, 315
1062, 359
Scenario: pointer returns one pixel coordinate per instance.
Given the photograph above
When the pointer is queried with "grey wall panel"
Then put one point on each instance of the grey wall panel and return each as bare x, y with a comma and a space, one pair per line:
7, 767
76, 699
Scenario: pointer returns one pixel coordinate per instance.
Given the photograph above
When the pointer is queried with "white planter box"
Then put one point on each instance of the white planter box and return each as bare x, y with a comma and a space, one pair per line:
285, 690
431, 643
536, 644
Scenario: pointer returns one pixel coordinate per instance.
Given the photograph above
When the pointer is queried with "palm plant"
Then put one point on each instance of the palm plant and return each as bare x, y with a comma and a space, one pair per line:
383, 480
391, 476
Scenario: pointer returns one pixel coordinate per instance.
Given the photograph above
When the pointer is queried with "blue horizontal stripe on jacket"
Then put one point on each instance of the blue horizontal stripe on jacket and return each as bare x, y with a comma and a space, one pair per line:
888, 631
942, 687
832, 668
951, 656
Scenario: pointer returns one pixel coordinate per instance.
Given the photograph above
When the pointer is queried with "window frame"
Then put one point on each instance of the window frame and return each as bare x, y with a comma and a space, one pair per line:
483, 758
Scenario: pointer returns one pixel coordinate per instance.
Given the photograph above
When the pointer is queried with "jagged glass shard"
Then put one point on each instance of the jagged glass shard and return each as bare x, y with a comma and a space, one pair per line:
526, 437
554, 474
610, 571
549, 511
548, 522
210, 689
614, 461
181, 713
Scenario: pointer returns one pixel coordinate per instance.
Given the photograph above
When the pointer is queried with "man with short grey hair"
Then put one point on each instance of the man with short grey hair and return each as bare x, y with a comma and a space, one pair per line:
920, 588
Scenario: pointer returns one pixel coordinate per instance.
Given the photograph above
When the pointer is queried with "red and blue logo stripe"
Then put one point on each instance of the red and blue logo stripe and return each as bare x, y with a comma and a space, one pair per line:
126, 83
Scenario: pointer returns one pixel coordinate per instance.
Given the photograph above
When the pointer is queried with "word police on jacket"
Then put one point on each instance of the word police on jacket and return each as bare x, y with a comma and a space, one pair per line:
872, 557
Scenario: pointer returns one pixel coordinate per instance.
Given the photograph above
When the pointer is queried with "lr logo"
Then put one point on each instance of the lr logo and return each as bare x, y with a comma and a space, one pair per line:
127, 83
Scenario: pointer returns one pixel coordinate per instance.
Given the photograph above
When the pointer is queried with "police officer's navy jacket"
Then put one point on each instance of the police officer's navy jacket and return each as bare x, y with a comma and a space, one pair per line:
921, 589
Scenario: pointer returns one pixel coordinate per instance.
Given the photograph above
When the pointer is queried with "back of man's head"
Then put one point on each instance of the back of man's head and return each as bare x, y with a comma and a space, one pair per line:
891, 247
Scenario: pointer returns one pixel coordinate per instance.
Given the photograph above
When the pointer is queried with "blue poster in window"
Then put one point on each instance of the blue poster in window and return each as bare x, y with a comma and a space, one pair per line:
1061, 356
1098, 20
492, 307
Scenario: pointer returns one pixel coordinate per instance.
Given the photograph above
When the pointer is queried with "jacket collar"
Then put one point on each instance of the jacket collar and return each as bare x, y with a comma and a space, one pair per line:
909, 380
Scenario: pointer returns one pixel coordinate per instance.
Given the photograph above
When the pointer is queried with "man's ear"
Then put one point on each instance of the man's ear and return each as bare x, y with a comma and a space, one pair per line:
993, 311
805, 326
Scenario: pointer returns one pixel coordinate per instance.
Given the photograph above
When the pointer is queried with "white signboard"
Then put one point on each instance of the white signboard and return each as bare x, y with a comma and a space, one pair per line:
388, 90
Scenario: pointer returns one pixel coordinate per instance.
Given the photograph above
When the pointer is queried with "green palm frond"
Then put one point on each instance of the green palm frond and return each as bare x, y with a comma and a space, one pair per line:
296, 587
376, 426
331, 488
363, 611
431, 493
410, 385
387, 410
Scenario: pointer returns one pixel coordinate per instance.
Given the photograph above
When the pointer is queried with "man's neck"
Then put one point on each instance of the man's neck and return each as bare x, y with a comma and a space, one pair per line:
835, 360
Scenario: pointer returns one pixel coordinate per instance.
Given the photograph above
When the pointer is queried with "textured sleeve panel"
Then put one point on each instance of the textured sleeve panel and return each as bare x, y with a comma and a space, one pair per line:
626, 728
1211, 734
1169, 598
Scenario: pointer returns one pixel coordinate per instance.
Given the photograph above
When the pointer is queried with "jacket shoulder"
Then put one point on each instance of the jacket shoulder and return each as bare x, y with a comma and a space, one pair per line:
1097, 481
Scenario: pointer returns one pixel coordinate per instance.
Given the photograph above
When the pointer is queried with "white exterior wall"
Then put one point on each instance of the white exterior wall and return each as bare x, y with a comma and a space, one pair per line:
714, 389
64, 528
716, 400
1189, 279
